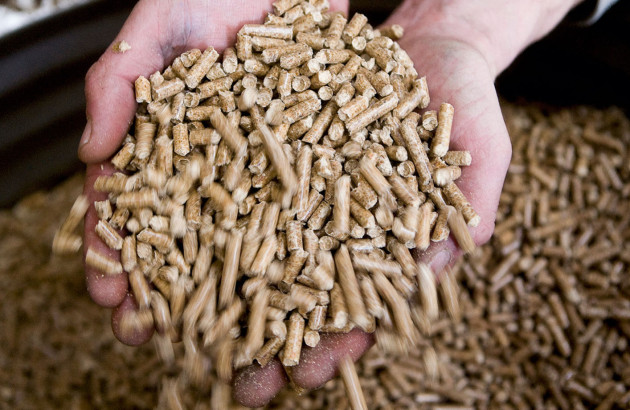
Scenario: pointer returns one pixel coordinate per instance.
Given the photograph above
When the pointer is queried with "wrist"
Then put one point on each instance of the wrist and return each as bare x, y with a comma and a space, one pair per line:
499, 30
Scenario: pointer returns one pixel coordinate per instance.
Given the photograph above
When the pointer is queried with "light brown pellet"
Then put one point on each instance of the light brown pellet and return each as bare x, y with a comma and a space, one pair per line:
460, 231
338, 307
264, 256
354, 107
429, 120
321, 123
201, 67
374, 112
167, 89
223, 201
442, 137
311, 337
341, 205
281, 32
317, 317
314, 200
293, 266
459, 201
294, 235
181, 144
275, 153
382, 56
418, 96
102, 263
128, 255
350, 286
403, 192
232, 137
353, 386
108, 235
327, 243
403, 257
398, 306
124, 156
293, 343
353, 28
230, 268
269, 350
303, 171
418, 155
373, 301
142, 90
445, 175
254, 339
163, 242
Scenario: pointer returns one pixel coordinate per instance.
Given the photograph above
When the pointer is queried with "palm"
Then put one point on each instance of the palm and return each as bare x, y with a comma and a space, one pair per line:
459, 75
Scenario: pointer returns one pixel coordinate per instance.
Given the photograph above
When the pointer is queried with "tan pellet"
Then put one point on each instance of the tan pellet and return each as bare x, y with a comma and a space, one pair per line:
350, 286
230, 268
108, 235
102, 263
442, 137
374, 112
293, 343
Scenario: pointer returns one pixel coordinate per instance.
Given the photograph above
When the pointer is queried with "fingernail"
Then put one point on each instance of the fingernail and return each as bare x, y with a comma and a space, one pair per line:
87, 133
439, 261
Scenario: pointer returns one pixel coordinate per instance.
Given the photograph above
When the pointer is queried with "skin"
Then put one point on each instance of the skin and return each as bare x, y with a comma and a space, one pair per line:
460, 46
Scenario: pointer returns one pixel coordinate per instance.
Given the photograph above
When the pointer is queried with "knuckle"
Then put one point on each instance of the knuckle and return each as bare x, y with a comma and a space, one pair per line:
94, 77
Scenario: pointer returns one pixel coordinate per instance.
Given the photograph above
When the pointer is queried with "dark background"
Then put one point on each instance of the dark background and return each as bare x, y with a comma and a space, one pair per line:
43, 65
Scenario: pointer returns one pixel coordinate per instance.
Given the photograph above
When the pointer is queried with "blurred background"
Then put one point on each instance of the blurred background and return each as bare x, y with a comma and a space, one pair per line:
46, 47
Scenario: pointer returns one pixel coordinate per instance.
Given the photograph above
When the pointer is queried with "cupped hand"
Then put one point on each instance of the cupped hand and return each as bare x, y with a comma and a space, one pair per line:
158, 31
459, 74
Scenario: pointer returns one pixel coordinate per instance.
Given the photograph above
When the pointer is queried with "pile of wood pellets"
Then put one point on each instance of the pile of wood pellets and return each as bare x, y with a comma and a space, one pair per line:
274, 193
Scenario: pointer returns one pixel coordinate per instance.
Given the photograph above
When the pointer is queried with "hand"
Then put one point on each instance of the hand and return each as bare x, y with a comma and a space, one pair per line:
461, 47
457, 73
157, 31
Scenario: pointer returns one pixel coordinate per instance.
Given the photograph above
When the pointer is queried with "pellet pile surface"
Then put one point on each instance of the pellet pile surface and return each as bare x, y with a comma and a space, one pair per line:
547, 327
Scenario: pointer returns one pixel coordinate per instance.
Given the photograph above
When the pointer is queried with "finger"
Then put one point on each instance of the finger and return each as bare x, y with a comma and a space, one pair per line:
319, 364
481, 182
131, 336
255, 386
105, 290
491, 151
